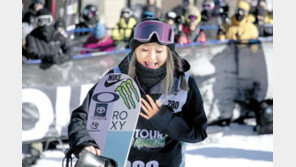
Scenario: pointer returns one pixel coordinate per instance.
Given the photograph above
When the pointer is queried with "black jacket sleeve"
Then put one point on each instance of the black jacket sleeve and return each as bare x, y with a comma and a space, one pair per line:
77, 132
190, 126
32, 50
45, 50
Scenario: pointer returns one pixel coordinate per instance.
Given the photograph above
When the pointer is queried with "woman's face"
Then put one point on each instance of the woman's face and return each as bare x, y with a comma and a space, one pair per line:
151, 55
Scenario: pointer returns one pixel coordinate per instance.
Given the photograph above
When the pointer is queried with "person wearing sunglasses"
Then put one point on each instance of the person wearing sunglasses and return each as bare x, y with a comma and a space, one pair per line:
241, 27
190, 30
172, 109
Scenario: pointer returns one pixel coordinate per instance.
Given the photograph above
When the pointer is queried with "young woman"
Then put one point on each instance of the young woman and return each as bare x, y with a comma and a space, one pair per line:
172, 107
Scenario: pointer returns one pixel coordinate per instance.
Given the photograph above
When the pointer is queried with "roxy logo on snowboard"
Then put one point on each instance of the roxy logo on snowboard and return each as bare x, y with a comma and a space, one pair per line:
113, 79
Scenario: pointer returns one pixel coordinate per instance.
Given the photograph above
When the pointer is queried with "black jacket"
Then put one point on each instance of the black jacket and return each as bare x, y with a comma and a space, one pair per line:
50, 46
165, 132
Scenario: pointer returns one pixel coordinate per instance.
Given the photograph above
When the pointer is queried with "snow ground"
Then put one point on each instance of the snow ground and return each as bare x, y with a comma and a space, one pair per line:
236, 145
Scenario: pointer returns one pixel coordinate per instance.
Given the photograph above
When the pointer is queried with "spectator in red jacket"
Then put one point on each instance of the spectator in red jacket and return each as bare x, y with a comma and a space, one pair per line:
190, 30
98, 41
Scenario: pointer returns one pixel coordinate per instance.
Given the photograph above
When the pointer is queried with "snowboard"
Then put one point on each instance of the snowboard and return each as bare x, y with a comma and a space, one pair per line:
113, 114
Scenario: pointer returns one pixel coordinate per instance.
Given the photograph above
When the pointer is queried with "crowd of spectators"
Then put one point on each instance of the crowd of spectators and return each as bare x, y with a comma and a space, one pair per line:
46, 39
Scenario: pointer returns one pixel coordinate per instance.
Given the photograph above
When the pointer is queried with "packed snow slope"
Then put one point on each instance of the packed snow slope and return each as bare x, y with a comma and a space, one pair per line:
230, 146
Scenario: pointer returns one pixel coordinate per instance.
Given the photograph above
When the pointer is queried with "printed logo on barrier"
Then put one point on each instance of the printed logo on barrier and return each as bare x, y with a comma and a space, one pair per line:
113, 79
101, 110
125, 89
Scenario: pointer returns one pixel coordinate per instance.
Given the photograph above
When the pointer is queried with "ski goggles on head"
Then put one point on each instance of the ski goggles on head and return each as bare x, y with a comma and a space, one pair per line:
144, 31
44, 20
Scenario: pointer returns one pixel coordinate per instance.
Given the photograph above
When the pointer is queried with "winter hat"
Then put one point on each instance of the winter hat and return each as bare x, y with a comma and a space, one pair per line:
148, 14
99, 31
59, 23
208, 4
171, 15
126, 12
44, 17
39, 1
192, 11
43, 12
135, 43
244, 5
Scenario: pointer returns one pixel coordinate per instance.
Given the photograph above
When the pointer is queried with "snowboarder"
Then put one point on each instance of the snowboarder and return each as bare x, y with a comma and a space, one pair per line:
172, 106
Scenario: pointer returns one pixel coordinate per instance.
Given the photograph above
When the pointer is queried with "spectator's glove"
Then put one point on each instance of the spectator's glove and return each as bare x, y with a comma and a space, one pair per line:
60, 58
47, 59
46, 62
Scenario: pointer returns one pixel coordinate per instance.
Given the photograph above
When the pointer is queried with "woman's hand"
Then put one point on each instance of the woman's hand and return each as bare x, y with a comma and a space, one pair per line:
92, 149
150, 109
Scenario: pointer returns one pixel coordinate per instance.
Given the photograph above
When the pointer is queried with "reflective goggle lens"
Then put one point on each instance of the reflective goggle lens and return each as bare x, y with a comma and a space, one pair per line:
44, 20
192, 17
144, 31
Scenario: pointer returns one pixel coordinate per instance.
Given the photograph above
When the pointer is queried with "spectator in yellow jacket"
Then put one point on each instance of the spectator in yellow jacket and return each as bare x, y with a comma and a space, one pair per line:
241, 27
122, 31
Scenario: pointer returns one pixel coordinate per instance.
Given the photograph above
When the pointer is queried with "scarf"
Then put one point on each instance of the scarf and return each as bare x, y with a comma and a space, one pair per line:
149, 77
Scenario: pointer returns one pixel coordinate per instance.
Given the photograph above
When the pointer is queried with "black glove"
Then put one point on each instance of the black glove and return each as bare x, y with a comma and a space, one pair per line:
48, 59
88, 159
60, 58
46, 62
